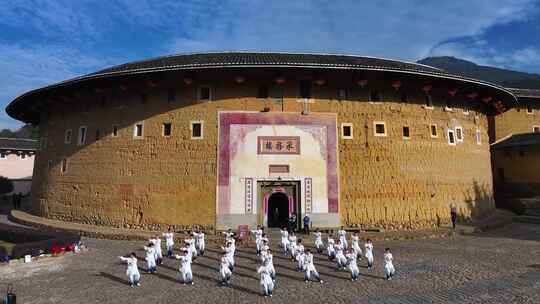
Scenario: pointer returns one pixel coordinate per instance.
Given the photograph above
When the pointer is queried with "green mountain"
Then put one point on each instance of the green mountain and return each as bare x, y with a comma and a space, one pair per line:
505, 78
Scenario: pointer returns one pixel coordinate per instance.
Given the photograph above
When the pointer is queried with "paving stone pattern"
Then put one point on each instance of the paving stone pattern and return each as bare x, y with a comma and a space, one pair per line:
502, 266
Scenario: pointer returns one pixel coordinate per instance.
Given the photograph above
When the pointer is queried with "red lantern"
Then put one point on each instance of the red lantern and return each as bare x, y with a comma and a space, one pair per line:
362, 82
188, 80
151, 84
280, 80
426, 88
472, 95
320, 81
239, 79
396, 84
452, 92
487, 99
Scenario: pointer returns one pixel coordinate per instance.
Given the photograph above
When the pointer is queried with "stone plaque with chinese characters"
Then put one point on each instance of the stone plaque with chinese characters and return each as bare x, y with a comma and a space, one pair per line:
278, 145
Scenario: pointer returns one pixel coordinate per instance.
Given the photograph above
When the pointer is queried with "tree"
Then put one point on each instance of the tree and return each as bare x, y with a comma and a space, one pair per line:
6, 185
27, 131
7, 133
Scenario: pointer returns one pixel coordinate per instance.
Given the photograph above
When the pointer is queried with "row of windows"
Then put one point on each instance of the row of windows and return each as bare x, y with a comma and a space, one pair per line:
274, 91
528, 109
379, 129
196, 128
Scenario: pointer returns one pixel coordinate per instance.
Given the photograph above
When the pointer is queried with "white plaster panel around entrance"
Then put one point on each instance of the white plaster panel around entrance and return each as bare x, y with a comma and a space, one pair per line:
311, 162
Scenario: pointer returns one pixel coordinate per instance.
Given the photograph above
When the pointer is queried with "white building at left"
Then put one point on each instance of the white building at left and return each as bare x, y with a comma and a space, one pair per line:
17, 162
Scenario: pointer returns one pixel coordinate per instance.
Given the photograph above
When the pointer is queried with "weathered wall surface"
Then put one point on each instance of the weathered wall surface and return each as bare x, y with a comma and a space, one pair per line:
155, 181
517, 120
516, 171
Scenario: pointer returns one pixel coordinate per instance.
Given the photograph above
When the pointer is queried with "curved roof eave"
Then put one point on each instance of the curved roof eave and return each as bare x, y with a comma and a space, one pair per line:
112, 74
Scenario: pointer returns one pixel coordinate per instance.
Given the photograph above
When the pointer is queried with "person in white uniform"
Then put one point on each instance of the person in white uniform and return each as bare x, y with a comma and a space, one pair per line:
330, 243
186, 275
319, 245
342, 234
150, 257
229, 254
169, 242
352, 265
258, 235
199, 241
284, 239
269, 262
190, 244
225, 272
388, 264
156, 240
300, 256
355, 245
369, 253
310, 270
132, 269
292, 245
266, 281
341, 260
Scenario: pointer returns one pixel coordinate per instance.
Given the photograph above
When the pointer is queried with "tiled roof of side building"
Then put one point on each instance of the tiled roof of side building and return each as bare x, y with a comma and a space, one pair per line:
518, 140
18, 144
525, 93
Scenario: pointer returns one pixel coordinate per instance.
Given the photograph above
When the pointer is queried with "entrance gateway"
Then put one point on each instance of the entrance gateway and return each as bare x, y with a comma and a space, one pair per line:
274, 165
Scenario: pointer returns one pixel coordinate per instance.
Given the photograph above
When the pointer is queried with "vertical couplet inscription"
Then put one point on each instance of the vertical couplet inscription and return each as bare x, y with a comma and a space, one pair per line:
278, 145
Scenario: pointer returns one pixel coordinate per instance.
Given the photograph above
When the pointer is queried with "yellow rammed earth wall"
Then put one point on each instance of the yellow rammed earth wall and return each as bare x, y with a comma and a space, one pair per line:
518, 120
520, 167
156, 181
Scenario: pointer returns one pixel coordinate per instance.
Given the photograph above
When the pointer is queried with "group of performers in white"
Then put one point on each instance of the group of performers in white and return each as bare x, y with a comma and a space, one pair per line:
337, 250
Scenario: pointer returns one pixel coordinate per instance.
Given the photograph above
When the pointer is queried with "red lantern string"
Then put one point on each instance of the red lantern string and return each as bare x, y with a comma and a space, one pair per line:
280, 80
188, 80
472, 95
427, 88
320, 81
396, 84
362, 82
453, 92
487, 99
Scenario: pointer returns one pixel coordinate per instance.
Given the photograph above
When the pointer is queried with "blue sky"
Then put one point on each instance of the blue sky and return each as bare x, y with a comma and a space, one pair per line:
42, 42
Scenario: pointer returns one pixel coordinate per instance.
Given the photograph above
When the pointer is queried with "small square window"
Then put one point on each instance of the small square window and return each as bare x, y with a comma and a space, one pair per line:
171, 95
478, 137
262, 92
144, 98
433, 130
459, 134
138, 130
197, 130
167, 129
451, 138
305, 89
347, 130
406, 132
529, 109
49, 165
380, 128
67, 136
3, 155
205, 93
82, 136
114, 131
374, 96
536, 129
342, 94
429, 102
98, 134
449, 103
63, 168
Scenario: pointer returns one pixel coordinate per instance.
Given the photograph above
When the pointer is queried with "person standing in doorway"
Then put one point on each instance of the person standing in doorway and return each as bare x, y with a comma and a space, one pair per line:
453, 216
293, 222
307, 222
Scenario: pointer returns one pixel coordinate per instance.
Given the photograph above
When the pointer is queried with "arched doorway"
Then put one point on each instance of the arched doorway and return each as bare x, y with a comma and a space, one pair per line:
278, 209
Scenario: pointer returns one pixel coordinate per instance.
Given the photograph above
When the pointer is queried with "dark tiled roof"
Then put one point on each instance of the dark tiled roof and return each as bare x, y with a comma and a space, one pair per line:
18, 144
229, 59
518, 140
525, 93
19, 108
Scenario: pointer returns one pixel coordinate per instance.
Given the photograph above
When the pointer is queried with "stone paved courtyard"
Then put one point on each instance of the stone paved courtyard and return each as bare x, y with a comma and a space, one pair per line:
502, 266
